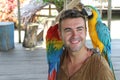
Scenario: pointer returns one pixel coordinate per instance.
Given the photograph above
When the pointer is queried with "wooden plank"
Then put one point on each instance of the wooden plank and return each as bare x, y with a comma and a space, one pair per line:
31, 64
23, 64
40, 36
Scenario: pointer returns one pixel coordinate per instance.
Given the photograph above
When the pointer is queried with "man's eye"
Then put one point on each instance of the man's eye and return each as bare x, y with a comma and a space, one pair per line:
79, 28
67, 29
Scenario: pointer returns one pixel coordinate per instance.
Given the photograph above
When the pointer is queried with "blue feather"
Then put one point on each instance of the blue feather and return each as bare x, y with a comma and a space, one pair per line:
104, 36
54, 59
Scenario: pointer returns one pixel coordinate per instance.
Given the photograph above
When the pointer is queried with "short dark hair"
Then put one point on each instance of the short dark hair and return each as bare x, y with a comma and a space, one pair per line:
71, 13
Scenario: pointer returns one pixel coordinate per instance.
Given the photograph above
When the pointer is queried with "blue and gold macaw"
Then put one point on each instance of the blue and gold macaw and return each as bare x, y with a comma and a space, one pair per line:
54, 47
99, 33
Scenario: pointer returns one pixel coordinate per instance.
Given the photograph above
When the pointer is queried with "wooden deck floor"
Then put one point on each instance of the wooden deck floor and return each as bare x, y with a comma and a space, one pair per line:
22, 64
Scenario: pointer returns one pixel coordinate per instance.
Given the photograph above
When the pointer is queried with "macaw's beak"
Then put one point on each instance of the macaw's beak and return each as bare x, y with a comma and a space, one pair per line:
87, 11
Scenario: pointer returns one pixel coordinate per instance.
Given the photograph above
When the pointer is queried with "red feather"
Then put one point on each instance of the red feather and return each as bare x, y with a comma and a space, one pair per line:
52, 33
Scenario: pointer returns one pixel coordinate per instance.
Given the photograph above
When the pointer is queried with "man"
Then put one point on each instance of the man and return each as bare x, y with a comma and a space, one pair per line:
79, 62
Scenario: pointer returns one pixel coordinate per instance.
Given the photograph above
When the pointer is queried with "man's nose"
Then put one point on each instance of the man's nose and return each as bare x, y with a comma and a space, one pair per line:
74, 33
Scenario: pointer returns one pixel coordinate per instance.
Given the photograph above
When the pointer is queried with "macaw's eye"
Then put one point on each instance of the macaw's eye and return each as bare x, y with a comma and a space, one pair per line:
88, 9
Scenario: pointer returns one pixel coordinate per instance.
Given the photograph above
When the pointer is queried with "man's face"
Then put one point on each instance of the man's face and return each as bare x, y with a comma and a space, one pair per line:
73, 33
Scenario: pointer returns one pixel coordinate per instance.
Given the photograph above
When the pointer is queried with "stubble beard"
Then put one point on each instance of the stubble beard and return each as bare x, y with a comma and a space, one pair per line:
76, 48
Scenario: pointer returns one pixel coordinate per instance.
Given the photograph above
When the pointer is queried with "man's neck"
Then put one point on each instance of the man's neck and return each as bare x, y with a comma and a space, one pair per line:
74, 62
79, 56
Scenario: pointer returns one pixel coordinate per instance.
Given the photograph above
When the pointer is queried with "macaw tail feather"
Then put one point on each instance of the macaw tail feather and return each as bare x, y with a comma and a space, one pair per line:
52, 76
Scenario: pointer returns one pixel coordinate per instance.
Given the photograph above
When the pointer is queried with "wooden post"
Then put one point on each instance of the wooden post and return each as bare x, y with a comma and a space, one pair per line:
30, 38
65, 4
101, 7
109, 14
50, 10
19, 21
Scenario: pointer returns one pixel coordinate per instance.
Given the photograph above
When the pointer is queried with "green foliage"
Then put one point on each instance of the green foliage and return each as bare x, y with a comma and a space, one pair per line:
46, 0
57, 3
53, 0
38, 1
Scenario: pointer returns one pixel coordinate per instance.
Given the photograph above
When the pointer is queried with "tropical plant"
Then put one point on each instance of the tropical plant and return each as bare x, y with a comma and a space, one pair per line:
57, 3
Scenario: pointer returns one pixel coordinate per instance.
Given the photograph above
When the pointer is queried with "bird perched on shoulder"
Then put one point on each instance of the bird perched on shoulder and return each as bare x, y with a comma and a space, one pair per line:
54, 47
99, 33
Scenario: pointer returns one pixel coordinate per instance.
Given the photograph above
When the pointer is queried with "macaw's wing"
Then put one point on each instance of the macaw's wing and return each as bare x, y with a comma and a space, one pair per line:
104, 36
54, 46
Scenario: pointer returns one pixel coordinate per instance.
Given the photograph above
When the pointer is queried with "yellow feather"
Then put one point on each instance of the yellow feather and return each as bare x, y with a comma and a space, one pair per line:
93, 34
57, 44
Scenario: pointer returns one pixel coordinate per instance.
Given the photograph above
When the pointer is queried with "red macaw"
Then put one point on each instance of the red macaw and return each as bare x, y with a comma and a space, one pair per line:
54, 47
